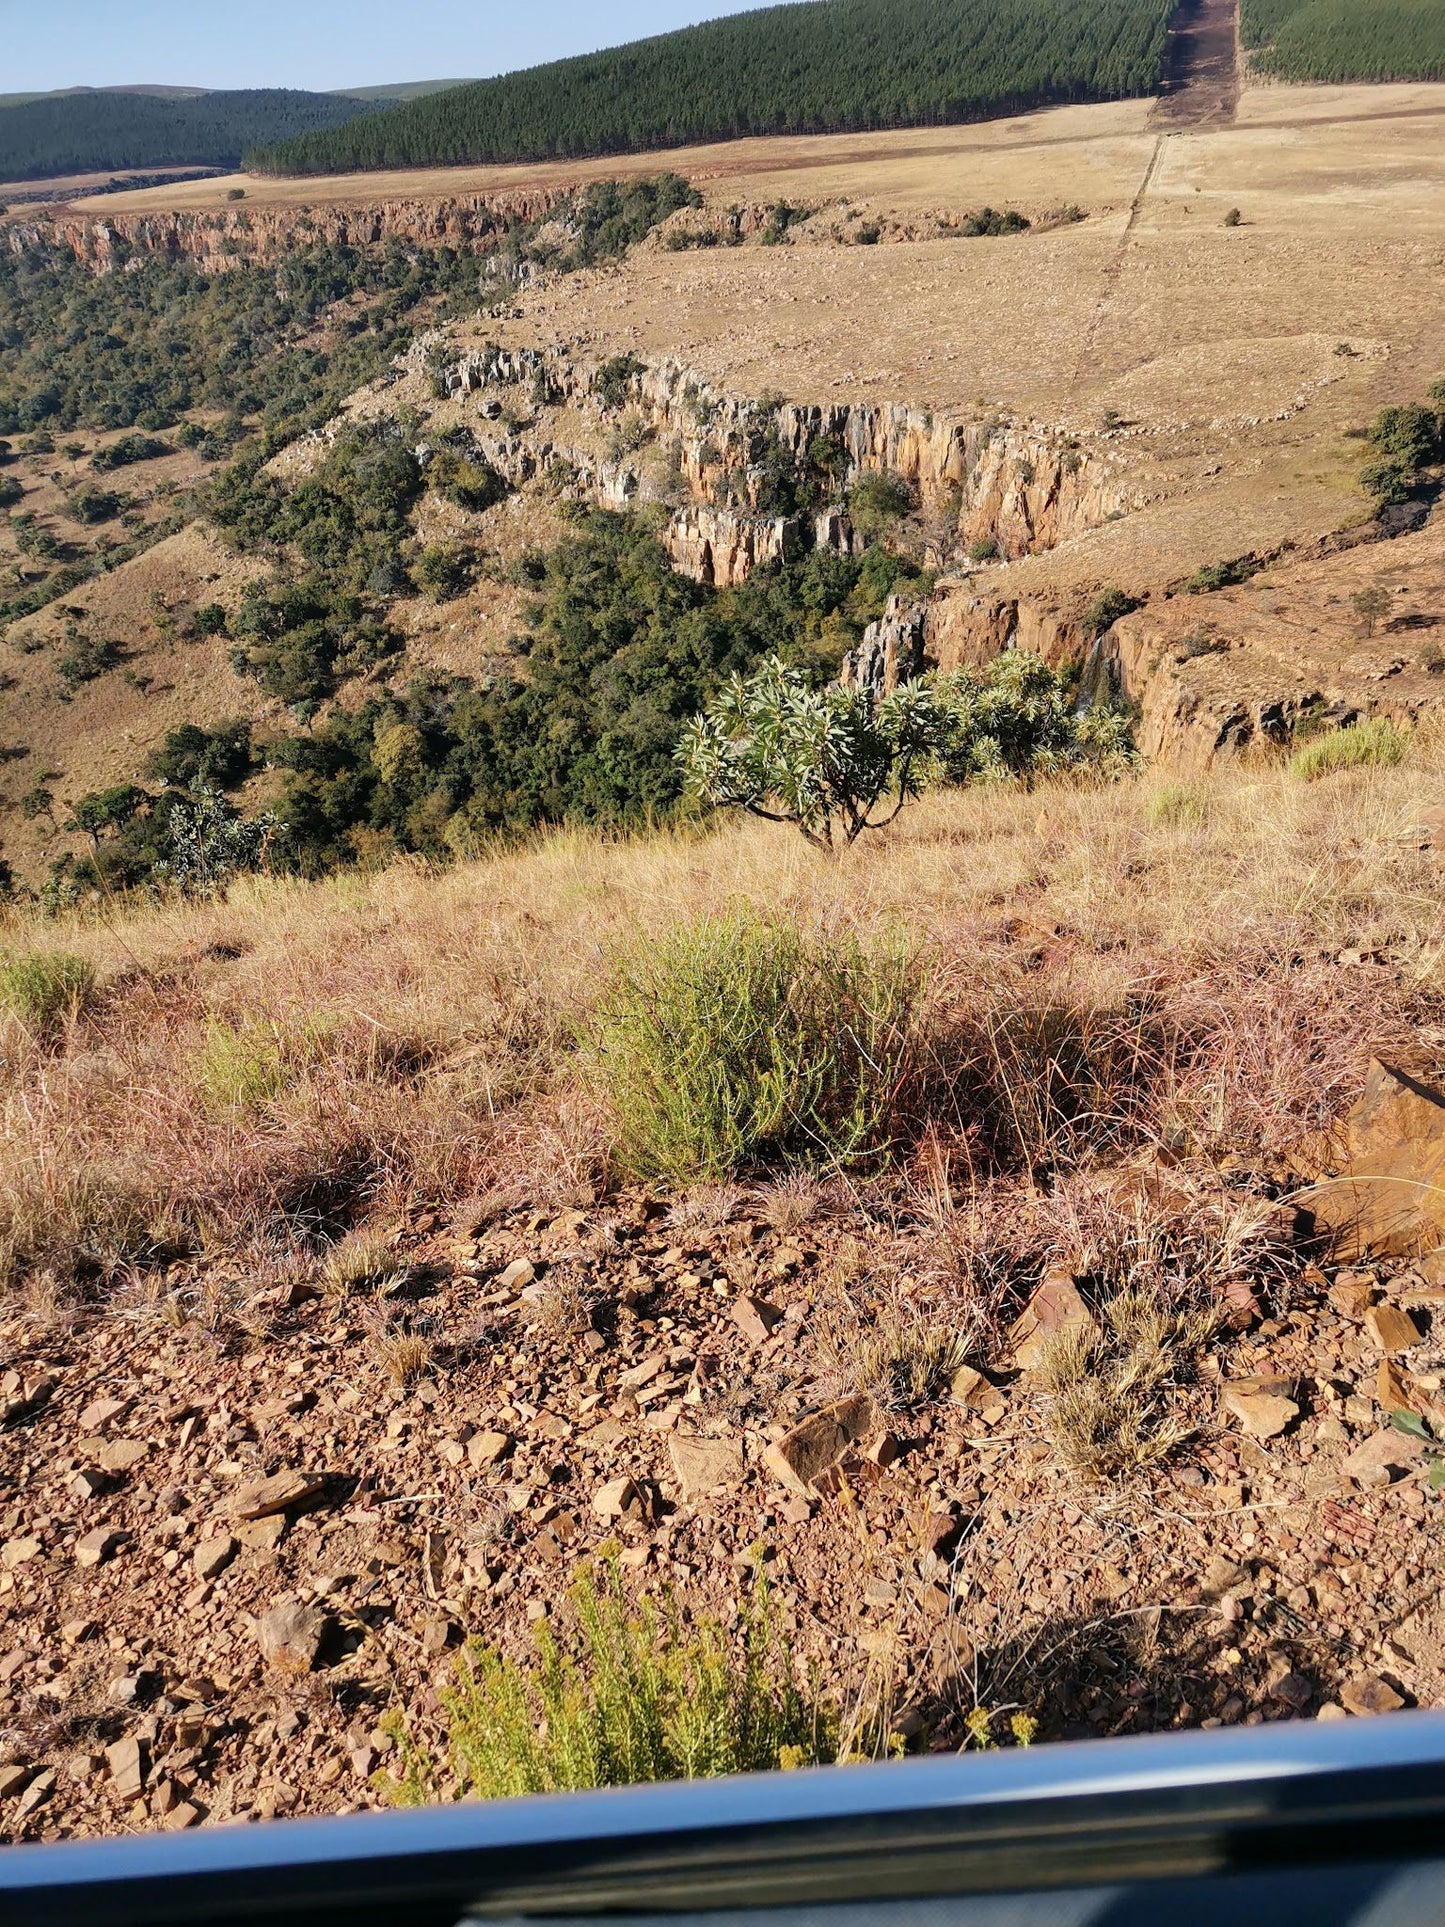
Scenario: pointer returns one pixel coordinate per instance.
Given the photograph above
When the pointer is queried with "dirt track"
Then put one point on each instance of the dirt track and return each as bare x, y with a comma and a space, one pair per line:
1201, 66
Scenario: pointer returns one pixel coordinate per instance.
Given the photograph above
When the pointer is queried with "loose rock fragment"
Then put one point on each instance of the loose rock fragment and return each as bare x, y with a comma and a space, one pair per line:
99, 1413
96, 1547
214, 1555
1389, 1451
1391, 1329
36, 1794
969, 1387
1055, 1308
1370, 1694
616, 1498
705, 1465
279, 1493
818, 1443
129, 1766
1263, 1406
291, 1636
755, 1317
489, 1448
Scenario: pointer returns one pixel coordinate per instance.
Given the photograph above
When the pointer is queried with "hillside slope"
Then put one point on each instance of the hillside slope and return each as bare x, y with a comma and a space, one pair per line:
830, 65
84, 132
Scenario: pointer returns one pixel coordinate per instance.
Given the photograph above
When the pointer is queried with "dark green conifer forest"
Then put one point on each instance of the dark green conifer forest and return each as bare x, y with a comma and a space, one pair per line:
1338, 40
825, 65
93, 132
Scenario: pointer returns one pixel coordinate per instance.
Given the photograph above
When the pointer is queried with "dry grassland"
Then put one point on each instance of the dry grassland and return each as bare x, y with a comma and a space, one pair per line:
425, 1023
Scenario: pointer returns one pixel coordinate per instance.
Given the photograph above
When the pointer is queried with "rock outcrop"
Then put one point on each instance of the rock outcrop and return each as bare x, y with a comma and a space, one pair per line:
747, 466
221, 238
891, 650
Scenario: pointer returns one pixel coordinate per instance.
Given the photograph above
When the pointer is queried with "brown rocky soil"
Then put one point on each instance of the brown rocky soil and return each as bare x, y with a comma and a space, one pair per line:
184, 1644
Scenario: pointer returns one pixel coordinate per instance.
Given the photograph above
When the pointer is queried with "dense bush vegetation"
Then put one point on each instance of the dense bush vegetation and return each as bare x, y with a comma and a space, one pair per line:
1347, 39
739, 1041
1407, 444
830, 64
622, 652
140, 349
89, 133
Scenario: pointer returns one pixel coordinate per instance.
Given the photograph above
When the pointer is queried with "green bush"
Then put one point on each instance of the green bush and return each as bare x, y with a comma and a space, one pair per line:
1408, 442
739, 1040
440, 572
1375, 742
1107, 607
128, 449
631, 1698
85, 658
876, 501
91, 505
44, 987
1222, 575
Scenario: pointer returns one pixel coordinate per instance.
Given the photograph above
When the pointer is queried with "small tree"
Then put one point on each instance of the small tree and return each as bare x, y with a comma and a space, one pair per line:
101, 810
1371, 605
833, 761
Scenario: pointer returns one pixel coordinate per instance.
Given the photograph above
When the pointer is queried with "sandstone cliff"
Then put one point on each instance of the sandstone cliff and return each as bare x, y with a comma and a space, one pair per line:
727, 460
219, 238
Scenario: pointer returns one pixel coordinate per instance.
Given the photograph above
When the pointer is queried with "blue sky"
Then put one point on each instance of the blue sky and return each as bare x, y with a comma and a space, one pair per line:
309, 43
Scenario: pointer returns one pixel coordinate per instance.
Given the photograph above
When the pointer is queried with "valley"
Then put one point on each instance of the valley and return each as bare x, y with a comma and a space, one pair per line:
442, 1155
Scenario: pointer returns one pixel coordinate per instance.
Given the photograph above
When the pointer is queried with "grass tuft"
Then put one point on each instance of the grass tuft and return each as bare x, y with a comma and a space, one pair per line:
743, 1040
365, 1261
1376, 743
1108, 1389
629, 1696
45, 987
242, 1067
1177, 806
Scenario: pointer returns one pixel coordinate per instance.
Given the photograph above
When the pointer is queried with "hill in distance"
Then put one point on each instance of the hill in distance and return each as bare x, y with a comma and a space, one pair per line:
823, 66
838, 66
83, 130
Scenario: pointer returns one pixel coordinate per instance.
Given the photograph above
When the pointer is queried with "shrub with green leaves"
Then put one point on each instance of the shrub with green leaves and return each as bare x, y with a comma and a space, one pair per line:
1015, 717
1376, 742
630, 1697
834, 761
45, 987
1406, 443
207, 844
440, 572
876, 501
740, 1040
1107, 607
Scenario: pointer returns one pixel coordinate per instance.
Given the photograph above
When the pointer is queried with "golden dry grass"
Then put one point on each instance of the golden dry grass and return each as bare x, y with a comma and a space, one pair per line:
1181, 969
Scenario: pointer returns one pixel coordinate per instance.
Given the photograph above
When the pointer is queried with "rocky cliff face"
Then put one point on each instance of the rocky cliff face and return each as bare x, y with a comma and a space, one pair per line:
751, 480
219, 238
967, 627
